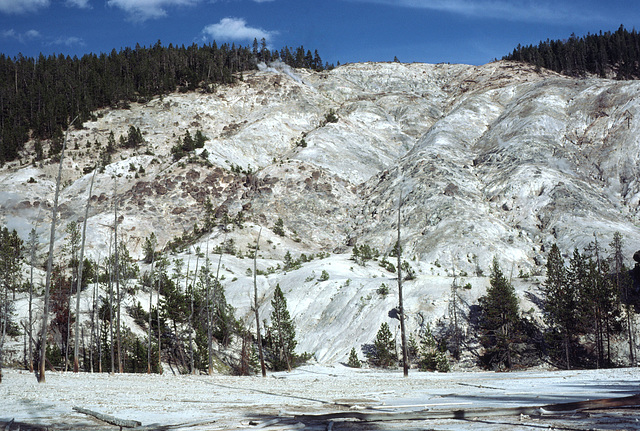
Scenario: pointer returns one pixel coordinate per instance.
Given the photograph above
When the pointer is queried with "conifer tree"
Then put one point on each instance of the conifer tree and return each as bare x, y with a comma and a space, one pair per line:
560, 304
623, 285
10, 255
282, 331
432, 358
500, 321
353, 361
384, 348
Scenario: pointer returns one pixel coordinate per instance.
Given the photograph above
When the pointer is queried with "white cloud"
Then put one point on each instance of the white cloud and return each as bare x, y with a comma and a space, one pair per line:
516, 10
142, 10
82, 4
22, 6
236, 29
21, 37
68, 41
32, 34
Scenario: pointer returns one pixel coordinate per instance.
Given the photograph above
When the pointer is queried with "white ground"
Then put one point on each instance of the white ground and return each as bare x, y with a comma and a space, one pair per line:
226, 402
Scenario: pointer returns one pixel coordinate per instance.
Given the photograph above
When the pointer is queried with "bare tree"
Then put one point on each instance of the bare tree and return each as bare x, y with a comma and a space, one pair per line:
117, 273
255, 308
94, 307
108, 267
191, 293
74, 239
152, 242
47, 286
207, 274
453, 311
33, 243
405, 362
160, 277
76, 366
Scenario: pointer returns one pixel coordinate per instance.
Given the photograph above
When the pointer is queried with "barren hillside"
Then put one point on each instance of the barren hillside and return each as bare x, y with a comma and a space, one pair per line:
497, 160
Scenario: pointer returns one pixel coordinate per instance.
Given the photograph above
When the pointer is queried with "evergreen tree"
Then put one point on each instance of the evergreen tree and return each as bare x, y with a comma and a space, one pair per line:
605, 54
40, 95
149, 248
431, 356
225, 324
353, 361
560, 303
282, 332
384, 348
624, 287
500, 321
11, 247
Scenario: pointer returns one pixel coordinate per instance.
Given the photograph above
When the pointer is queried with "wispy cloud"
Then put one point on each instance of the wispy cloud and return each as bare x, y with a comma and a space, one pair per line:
22, 6
142, 10
34, 35
68, 41
516, 10
82, 4
25, 37
236, 29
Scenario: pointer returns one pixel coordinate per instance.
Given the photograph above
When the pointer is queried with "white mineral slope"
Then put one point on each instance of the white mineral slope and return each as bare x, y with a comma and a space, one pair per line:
497, 160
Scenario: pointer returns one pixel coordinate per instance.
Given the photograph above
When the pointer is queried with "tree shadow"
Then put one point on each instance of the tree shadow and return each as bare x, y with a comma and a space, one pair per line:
535, 299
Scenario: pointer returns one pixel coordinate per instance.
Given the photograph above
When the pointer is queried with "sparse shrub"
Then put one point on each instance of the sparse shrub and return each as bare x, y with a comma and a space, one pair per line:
409, 273
324, 276
362, 254
397, 249
331, 116
290, 263
384, 263
383, 290
278, 228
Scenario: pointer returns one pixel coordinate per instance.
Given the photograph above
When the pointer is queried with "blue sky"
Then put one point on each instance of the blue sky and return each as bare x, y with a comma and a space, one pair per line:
432, 31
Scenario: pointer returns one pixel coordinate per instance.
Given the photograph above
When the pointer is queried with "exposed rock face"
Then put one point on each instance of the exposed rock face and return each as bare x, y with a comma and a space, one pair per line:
498, 160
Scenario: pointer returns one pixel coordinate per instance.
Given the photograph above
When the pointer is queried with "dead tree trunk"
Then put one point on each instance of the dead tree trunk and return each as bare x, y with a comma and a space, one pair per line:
209, 317
47, 286
195, 278
153, 259
161, 275
111, 346
117, 273
33, 241
405, 363
212, 305
255, 308
76, 366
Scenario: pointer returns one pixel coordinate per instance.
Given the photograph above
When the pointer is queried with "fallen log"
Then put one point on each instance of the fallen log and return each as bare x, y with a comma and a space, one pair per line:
122, 423
549, 409
420, 414
603, 403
